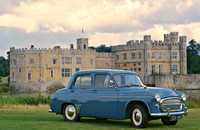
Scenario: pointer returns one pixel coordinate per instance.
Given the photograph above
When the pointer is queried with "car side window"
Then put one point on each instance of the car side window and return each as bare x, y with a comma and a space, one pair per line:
102, 80
83, 81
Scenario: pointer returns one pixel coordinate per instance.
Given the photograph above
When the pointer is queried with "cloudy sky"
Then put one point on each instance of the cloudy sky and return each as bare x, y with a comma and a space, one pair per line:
47, 23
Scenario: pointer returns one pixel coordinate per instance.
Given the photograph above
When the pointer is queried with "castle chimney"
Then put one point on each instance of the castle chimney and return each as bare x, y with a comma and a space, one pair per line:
71, 46
32, 46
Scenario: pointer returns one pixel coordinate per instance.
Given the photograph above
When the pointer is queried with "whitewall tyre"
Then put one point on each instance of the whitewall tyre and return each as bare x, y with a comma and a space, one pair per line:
70, 113
139, 116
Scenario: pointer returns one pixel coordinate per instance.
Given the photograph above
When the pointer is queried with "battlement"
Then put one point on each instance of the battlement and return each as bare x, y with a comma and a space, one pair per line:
56, 49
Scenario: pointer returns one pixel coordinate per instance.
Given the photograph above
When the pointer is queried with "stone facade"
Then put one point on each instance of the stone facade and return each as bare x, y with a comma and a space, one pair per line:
41, 70
148, 57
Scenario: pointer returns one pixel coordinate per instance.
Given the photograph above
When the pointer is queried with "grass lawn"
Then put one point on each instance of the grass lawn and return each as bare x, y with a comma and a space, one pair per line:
4, 84
38, 117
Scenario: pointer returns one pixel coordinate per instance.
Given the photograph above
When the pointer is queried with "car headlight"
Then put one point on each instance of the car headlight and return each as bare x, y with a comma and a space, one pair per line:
157, 97
183, 97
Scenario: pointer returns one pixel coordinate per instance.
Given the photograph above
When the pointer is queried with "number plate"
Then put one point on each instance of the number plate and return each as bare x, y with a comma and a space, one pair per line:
175, 118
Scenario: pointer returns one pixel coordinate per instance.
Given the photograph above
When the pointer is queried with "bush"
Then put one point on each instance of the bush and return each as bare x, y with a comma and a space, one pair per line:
24, 100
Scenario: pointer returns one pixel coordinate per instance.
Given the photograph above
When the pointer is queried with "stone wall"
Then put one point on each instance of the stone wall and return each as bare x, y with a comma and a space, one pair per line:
189, 83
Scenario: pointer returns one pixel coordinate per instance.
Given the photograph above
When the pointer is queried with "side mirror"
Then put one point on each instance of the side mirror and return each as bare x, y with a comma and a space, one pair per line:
174, 87
145, 87
111, 83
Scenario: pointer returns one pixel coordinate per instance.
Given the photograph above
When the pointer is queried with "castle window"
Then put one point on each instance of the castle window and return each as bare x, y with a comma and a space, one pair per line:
140, 55
153, 69
107, 65
135, 69
153, 55
78, 60
91, 61
14, 62
66, 60
134, 64
173, 55
29, 75
84, 46
51, 73
160, 69
13, 75
117, 57
160, 55
54, 61
20, 70
77, 69
31, 61
124, 65
124, 56
132, 56
139, 63
66, 72
173, 68
139, 69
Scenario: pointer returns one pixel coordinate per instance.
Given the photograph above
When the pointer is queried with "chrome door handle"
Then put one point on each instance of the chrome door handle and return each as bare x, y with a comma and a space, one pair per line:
93, 90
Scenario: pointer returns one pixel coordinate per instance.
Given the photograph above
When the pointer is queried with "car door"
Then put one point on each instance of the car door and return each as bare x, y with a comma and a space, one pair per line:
81, 87
103, 101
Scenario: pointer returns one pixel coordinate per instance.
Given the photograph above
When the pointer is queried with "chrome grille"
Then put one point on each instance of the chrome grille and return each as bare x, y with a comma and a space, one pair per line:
171, 104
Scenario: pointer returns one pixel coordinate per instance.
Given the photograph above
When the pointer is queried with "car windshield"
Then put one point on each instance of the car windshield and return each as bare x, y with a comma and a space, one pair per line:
128, 80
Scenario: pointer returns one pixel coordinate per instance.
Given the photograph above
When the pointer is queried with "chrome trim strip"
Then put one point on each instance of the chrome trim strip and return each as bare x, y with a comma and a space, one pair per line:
50, 110
167, 114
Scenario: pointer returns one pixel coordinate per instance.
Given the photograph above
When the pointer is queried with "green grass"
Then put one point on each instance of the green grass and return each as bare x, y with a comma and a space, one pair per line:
4, 84
37, 117
24, 100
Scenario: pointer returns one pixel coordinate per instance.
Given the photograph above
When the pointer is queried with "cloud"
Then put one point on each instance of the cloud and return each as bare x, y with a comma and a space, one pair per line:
46, 23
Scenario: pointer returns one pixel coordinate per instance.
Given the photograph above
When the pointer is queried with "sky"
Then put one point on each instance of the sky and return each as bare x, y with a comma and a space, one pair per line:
49, 23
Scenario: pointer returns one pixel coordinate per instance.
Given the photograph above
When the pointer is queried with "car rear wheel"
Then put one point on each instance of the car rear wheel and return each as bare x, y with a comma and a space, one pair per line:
70, 113
139, 116
166, 121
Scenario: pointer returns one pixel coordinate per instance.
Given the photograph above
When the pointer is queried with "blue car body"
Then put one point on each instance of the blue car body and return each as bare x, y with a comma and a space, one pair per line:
114, 102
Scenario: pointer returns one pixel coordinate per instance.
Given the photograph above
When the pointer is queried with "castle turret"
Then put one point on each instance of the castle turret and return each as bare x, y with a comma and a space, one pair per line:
167, 38
183, 55
174, 37
147, 51
82, 43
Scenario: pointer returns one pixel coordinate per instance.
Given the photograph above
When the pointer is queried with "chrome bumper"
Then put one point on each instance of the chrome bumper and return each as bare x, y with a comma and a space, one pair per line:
50, 110
168, 113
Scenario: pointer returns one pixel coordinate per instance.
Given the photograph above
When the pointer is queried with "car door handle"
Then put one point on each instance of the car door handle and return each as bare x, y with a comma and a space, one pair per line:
71, 90
93, 90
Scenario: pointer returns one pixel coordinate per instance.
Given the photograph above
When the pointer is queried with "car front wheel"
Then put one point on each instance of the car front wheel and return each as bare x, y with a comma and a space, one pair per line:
70, 113
139, 116
166, 121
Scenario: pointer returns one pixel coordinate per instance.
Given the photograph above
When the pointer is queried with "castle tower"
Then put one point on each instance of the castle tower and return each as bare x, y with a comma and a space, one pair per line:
82, 43
167, 38
174, 37
183, 55
147, 50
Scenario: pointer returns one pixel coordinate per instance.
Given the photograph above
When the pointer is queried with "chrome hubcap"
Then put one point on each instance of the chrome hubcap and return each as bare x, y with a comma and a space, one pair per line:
137, 116
70, 112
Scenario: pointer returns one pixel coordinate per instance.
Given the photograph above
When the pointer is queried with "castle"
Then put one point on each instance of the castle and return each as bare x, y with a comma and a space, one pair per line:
42, 70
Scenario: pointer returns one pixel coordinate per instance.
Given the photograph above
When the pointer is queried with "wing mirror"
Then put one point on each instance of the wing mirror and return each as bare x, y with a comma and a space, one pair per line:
111, 83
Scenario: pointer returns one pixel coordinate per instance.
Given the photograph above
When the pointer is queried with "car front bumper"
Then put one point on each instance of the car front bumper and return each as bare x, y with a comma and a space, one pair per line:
168, 113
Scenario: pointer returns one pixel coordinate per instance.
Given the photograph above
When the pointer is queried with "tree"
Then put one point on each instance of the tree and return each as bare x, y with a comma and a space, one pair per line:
101, 48
4, 66
193, 57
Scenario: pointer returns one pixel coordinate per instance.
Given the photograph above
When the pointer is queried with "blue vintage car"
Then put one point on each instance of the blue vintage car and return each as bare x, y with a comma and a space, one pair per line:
117, 94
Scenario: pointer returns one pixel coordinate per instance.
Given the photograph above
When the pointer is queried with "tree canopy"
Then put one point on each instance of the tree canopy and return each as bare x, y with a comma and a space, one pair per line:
101, 48
4, 66
193, 57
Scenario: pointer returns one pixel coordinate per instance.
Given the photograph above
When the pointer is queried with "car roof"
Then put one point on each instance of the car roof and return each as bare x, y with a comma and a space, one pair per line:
111, 71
